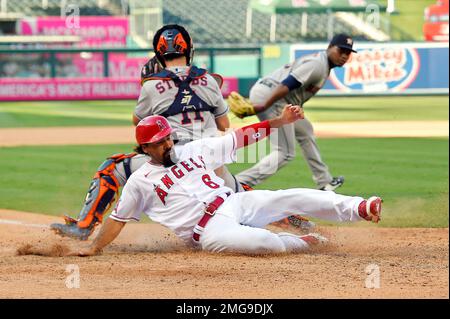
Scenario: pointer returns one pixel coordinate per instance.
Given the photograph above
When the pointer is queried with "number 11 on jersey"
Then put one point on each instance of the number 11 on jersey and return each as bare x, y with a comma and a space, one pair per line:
186, 119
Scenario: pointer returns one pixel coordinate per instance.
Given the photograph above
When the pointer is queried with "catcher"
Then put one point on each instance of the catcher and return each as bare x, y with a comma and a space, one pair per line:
293, 83
191, 100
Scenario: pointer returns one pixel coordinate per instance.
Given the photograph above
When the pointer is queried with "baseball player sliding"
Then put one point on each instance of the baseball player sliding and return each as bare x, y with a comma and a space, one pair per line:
191, 100
178, 188
293, 83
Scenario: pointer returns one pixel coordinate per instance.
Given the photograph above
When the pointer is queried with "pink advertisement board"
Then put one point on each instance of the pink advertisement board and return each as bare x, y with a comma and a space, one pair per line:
229, 85
94, 31
68, 89
80, 89
120, 65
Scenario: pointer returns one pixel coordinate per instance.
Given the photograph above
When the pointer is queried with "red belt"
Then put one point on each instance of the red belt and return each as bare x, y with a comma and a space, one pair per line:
209, 212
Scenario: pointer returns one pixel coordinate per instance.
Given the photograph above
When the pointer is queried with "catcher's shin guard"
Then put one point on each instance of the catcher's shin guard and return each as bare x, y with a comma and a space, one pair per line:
102, 190
101, 194
99, 197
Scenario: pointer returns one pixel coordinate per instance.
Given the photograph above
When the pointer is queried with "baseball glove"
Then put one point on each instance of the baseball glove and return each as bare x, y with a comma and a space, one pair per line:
240, 106
151, 67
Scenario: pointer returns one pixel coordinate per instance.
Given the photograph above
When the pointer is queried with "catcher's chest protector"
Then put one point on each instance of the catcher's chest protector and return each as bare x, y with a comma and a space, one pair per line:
186, 99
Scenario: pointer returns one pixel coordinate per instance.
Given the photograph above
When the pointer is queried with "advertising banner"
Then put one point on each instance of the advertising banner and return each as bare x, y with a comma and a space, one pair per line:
90, 65
94, 31
68, 89
229, 84
79, 89
388, 68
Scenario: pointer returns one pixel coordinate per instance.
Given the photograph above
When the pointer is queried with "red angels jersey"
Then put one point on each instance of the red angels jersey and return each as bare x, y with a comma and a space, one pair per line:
176, 196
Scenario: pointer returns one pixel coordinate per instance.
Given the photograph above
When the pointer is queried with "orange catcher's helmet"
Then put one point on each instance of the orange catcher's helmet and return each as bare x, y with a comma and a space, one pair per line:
152, 129
172, 40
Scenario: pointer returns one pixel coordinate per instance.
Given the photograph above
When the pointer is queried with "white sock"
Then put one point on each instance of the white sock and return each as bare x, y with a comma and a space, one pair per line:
293, 243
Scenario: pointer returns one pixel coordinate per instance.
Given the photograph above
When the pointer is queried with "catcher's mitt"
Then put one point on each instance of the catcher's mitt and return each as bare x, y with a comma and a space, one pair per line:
151, 67
240, 106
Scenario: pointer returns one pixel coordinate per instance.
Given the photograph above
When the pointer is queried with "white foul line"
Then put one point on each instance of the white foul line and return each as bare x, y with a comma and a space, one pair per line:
17, 222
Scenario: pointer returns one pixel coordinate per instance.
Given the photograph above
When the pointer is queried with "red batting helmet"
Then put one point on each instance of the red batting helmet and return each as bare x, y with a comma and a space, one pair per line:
152, 129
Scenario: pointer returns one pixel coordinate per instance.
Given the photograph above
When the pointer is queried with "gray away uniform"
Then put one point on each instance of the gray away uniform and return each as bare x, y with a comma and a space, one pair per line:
157, 95
311, 71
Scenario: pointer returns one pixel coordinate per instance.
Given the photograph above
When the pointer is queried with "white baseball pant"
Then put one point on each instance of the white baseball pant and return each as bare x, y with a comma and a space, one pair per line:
238, 224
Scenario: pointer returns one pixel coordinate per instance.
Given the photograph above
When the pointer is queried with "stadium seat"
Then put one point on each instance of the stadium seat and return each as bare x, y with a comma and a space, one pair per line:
34, 8
206, 20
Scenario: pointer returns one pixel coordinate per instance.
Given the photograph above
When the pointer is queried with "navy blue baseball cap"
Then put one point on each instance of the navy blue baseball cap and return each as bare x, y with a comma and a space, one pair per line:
343, 41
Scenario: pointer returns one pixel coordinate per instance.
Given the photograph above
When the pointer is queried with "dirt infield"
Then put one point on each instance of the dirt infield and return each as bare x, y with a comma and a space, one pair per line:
125, 134
147, 261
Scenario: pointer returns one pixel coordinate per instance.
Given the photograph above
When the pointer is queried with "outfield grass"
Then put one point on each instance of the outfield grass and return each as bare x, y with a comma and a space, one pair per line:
410, 16
66, 113
319, 109
411, 174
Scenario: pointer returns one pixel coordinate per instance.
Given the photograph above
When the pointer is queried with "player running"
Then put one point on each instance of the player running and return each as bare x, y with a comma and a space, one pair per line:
293, 83
179, 189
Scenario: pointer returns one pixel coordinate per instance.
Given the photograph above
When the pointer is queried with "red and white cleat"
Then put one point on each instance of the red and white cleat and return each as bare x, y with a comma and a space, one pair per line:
296, 223
370, 209
314, 239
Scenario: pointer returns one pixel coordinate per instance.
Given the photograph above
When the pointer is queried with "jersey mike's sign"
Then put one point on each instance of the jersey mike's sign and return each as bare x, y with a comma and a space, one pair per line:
378, 70
387, 68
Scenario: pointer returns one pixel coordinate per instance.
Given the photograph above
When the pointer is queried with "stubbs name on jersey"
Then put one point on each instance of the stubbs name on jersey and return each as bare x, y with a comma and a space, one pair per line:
164, 85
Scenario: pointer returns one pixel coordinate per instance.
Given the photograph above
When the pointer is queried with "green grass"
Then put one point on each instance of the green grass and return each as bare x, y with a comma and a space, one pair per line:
319, 109
410, 16
411, 174
398, 108
51, 180
401, 108
65, 113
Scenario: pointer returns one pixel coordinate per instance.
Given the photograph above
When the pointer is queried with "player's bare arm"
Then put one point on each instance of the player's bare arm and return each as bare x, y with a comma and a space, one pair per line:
223, 122
290, 114
135, 120
109, 231
246, 135
280, 92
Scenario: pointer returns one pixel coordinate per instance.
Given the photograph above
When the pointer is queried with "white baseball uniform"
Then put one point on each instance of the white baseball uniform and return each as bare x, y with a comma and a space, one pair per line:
176, 196
312, 72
